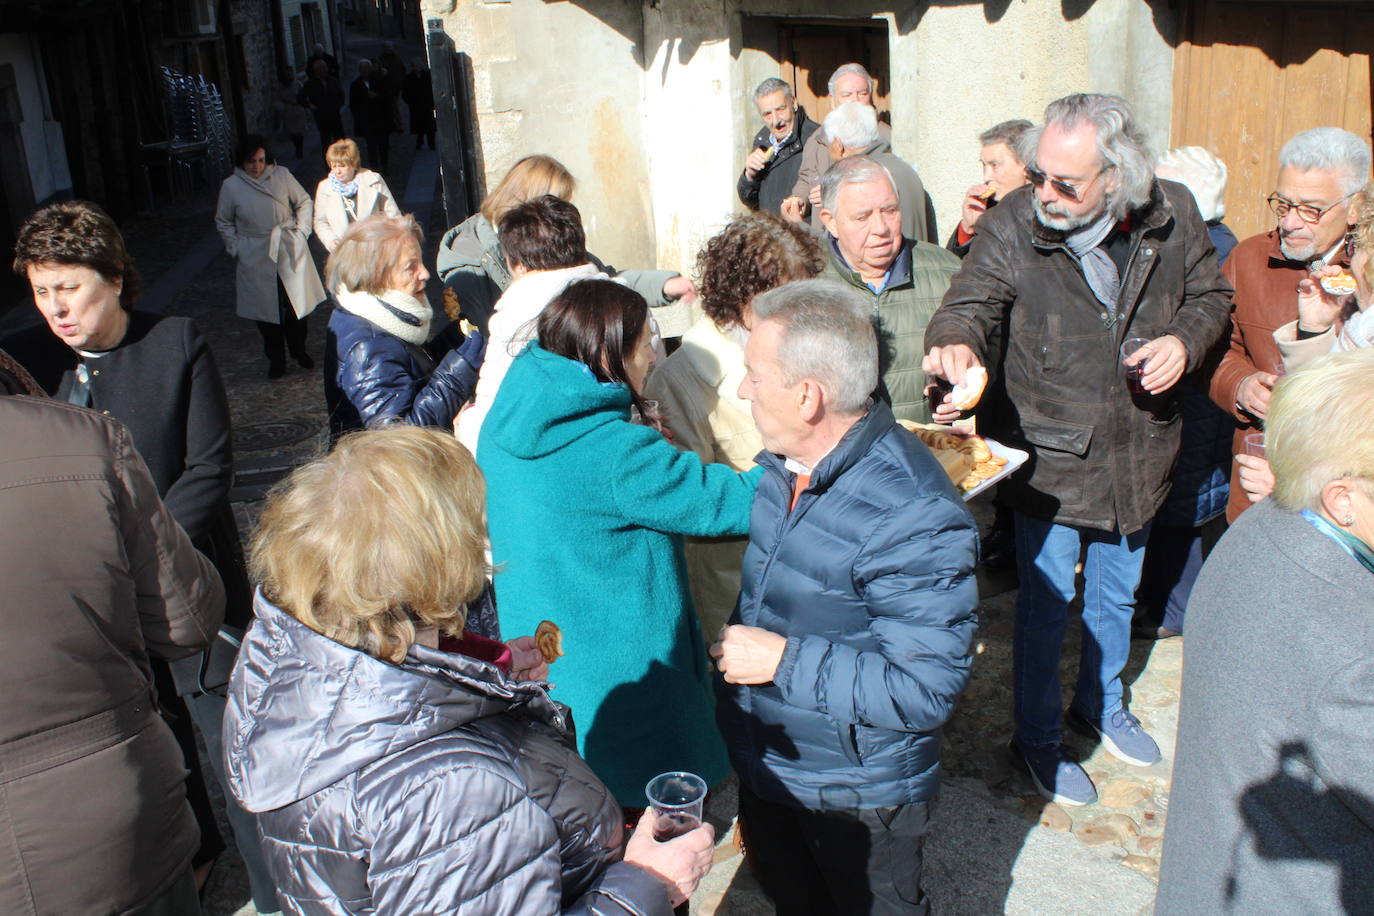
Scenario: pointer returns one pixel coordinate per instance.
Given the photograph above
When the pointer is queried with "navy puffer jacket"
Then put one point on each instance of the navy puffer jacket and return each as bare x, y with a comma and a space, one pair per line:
437, 785
871, 580
372, 377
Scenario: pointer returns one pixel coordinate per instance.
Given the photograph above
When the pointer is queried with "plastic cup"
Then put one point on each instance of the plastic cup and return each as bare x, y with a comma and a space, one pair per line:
677, 799
1253, 444
1135, 373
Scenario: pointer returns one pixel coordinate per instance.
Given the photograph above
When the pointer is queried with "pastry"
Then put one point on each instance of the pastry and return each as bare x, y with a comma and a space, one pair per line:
549, 640
1341, 284
967, 395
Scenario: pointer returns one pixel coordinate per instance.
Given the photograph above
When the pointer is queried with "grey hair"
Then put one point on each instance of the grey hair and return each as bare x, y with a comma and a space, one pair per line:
850, 68
771, 85
851, 170
364, 60
1329, 149
1120, 145
853, 124
827, 335
1008, 132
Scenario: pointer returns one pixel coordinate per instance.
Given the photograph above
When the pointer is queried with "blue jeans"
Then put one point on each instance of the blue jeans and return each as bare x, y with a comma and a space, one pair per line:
1046, 555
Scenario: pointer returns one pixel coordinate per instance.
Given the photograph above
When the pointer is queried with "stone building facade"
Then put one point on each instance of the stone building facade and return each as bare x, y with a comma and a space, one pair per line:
649, 103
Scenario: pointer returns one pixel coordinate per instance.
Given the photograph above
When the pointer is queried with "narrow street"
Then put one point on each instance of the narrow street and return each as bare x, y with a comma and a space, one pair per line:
994, 847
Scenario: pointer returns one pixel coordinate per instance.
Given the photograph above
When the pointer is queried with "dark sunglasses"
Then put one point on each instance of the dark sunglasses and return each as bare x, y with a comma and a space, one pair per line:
1062, 188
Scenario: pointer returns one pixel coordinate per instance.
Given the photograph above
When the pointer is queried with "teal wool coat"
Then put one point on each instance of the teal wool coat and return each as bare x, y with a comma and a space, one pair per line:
586, 511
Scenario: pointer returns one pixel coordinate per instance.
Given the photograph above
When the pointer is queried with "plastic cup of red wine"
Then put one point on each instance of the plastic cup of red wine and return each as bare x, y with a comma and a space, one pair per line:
677, 800
1134, 374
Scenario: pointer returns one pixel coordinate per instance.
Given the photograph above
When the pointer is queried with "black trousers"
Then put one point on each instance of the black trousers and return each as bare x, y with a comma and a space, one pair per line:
379, 149
841, 862
288, 334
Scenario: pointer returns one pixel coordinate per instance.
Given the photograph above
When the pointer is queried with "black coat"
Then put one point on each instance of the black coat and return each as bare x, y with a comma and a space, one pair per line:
161, 382
370, 101
770, 187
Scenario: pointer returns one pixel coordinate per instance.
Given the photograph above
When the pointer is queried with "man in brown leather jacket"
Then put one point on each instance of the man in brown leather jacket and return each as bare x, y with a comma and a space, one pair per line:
1095, 252
95, 577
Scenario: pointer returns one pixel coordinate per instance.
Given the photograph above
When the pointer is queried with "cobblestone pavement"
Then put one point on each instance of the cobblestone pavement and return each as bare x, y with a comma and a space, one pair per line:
281, 423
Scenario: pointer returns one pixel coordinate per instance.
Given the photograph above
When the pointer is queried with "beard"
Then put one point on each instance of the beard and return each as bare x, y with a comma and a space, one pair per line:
1052, 217
1302, 252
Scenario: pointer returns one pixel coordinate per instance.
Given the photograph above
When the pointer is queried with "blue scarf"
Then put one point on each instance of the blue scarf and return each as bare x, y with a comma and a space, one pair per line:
344, 190
1347, 541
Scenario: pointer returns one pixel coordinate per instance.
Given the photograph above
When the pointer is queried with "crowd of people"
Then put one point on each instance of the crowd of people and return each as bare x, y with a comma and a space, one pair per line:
753, 567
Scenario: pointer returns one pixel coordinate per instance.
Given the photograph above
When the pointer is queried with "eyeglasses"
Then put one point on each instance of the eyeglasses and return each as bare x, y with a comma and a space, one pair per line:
1062, 188
1306, 212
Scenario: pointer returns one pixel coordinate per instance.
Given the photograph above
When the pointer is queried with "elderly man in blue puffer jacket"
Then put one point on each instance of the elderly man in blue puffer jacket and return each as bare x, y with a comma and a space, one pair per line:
850, 643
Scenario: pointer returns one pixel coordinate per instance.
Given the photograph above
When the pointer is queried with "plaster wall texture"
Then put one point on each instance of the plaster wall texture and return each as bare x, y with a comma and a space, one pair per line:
649, 106
44, 152
941, 101
554, 78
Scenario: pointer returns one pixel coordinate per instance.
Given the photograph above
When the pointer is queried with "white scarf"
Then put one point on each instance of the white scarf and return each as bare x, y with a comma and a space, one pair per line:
399, 314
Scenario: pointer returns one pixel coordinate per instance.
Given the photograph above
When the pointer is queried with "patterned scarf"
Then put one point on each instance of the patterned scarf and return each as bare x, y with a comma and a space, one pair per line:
344, 190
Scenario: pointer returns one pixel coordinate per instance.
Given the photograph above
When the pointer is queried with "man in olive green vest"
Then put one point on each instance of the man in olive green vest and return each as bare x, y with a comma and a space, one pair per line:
904, 279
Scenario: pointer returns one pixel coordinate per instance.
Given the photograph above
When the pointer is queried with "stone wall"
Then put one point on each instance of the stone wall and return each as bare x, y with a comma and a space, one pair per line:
252, 21
649, 105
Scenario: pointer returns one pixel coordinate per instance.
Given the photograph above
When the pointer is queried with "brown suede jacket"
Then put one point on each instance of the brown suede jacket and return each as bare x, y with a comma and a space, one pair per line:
1100, 458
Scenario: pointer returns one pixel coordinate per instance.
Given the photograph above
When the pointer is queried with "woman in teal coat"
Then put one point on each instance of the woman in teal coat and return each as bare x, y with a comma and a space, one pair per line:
586, 510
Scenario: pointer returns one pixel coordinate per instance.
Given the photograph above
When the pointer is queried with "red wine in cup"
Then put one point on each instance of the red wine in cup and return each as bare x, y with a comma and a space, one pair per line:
674, 824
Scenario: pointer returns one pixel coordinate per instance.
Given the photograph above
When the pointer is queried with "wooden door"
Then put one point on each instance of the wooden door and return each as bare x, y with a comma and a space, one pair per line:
810, 51
1250, 75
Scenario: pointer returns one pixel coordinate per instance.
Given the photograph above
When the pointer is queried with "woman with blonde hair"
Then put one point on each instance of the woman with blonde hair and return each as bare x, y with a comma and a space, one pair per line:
401, 758
348, 193
1274, 741
383, 363
473, 264
697, 387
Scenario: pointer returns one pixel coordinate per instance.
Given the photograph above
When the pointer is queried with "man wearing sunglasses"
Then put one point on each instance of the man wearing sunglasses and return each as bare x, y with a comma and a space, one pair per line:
1094, 252
1321, 172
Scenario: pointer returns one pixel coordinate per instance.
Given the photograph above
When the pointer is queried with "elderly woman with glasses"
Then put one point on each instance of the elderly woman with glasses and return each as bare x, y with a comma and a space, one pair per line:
1270, 809
400, 758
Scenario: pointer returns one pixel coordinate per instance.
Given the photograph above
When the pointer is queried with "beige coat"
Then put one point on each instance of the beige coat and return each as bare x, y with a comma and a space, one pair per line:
697, 391
265, 224
331, 218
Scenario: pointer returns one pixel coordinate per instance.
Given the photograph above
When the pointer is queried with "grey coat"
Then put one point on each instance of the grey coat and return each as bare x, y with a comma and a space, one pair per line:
265, 223
471, 262
1272, 808
433, 786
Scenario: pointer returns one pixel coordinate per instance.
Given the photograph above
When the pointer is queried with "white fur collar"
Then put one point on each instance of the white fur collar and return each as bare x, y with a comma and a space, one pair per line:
399, 314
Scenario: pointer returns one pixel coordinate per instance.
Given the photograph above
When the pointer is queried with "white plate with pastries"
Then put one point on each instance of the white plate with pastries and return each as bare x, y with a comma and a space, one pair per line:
974, 463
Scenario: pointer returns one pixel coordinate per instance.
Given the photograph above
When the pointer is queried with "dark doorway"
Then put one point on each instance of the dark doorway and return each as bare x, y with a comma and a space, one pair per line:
809, 50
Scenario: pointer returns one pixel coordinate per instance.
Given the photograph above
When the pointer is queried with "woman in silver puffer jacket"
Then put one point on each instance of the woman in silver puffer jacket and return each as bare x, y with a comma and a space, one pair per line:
400, 757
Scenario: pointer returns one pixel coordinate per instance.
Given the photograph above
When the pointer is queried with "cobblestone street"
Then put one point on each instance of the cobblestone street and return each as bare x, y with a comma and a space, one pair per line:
995, 846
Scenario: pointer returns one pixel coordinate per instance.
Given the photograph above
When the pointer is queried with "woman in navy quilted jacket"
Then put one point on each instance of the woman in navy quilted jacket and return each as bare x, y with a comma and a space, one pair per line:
401, 758
380, 363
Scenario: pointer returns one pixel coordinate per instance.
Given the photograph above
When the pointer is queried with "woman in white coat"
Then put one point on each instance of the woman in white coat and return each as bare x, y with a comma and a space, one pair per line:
348, 194
264, 217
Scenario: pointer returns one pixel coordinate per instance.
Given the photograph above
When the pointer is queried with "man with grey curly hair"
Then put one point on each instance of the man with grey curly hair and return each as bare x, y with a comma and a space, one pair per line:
1315, 202
849, 645
1094, 261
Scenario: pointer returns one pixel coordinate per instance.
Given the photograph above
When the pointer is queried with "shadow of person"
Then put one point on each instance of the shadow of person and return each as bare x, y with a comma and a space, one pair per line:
1293, 816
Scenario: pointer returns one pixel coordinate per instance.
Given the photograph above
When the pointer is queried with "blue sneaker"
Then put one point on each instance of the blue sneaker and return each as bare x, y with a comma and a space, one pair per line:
1056, 777
1121, 734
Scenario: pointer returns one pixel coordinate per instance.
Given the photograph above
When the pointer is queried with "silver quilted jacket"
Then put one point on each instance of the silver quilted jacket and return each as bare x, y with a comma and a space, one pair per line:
435, 786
